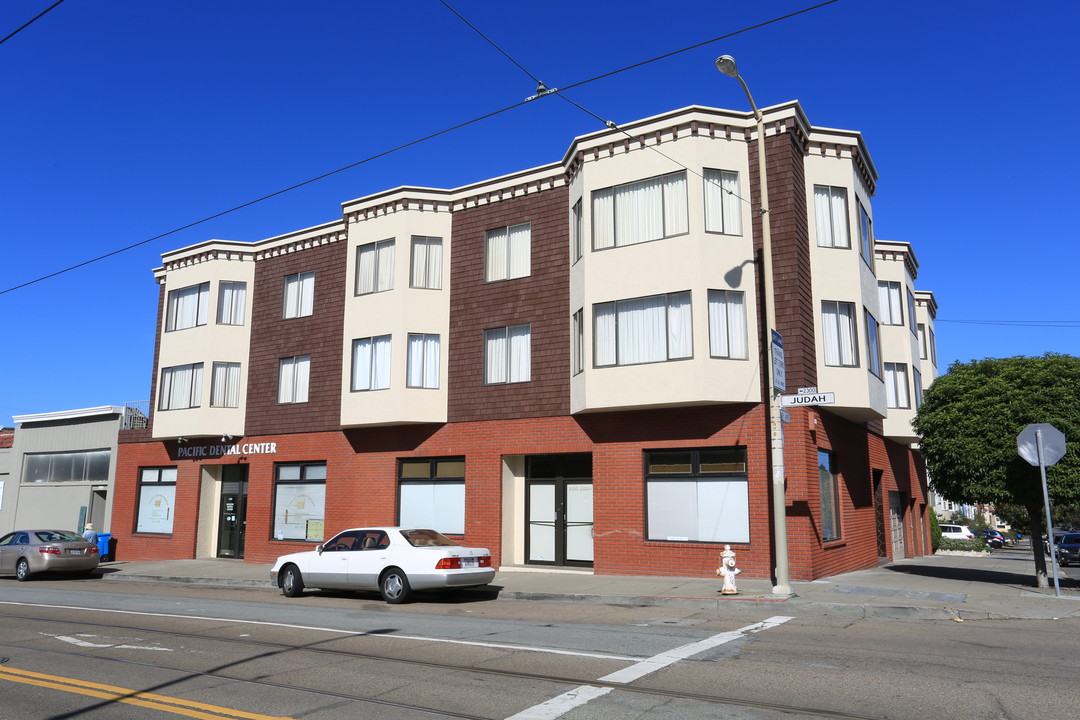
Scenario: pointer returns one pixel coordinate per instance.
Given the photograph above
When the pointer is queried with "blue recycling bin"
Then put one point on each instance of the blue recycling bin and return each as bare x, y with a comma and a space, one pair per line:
103, 546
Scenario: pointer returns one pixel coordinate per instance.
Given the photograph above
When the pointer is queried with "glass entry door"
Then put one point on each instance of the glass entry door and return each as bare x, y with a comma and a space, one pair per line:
559, 507
232, 511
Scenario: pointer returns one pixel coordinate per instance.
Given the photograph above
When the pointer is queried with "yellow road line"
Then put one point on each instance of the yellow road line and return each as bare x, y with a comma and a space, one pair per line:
190, 708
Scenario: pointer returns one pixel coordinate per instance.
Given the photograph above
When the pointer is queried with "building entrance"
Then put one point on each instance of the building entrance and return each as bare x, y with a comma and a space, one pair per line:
559, 510
232, 511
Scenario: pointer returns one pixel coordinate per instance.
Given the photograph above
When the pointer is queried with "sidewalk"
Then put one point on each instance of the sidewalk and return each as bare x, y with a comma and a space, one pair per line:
999, 585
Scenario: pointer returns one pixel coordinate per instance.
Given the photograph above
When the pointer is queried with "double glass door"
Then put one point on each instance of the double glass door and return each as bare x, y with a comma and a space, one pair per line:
559, 506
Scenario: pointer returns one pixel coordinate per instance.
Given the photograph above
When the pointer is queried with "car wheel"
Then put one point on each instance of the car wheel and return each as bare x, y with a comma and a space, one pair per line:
394, 587
292, 582
22, 570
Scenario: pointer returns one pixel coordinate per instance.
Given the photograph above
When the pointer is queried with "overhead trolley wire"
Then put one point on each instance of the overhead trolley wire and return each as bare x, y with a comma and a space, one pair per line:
542, 91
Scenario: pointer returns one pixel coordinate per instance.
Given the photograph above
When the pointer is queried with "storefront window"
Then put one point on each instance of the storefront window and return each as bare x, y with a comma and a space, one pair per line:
433, 494
87, 466
697, 495
299, 501
157, 500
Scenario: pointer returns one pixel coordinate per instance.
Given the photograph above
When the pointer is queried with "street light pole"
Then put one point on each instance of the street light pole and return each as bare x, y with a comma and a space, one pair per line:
726, 64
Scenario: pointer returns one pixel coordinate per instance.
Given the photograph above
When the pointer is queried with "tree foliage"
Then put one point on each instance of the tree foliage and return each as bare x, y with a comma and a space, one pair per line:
969, 420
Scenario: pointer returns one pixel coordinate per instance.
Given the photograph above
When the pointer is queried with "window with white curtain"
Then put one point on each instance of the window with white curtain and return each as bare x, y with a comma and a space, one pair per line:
873, 344
432, 494
293, 376
157, 500
375, 267
839, 333
423, 361
723, 211
186, 307
427, 263
508, 252
727, 324
643, 330
577, 342
924, 351
830, 210
299, 296
697, 495
829, 487
576, 231
866, 236
181, 387
232, 297
371, 363
640, 211
507, 354
896, 385
225, 385
889, 300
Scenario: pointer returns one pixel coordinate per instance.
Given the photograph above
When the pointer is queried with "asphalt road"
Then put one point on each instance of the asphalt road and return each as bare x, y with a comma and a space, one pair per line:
95, 650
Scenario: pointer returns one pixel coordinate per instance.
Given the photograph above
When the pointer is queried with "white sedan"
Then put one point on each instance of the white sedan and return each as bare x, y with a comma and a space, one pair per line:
395, 561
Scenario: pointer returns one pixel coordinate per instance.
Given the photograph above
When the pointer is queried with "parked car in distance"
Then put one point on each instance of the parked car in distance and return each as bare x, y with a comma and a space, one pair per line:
1068, 549
956, 532
24, 553
392, 560
993, 538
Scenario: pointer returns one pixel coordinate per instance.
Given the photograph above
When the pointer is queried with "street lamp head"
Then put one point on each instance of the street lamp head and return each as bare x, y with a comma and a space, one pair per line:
726, 64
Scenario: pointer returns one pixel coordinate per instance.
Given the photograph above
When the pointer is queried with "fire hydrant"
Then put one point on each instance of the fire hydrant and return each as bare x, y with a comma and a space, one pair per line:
728, 571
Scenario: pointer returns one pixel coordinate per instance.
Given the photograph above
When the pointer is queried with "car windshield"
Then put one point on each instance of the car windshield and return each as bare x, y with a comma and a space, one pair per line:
1070, 539
58, 536
426, 538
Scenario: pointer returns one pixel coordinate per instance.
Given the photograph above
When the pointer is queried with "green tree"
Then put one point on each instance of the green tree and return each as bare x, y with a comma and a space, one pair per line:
969, 420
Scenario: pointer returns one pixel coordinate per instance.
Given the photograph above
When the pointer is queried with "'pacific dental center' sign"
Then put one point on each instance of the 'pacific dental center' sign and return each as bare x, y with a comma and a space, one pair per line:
198, 451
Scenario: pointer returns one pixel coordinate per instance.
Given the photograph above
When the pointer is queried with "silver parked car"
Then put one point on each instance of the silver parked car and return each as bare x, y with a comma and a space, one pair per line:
393, 560
28, 552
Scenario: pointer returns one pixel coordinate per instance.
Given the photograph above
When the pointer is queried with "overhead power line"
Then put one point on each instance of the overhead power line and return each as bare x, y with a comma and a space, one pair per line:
541, 91
29, 22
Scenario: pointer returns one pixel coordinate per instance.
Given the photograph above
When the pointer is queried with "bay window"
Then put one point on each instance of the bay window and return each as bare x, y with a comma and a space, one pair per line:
371, 363
727, 324
723, 212
643, 330
187, 307
181, 387
375, 267
423, 361
640, 211
839, 334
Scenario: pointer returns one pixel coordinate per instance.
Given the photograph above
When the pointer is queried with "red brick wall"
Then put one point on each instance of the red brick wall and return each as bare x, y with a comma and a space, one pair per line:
541, 299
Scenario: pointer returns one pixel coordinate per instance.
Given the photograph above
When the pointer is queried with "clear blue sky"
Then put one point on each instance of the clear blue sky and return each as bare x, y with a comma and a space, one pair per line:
127, 119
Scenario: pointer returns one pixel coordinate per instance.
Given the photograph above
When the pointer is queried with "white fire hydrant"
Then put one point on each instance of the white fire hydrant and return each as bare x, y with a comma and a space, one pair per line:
728, 571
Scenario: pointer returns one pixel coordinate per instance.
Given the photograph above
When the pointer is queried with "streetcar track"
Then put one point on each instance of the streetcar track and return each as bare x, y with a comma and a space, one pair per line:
510, 674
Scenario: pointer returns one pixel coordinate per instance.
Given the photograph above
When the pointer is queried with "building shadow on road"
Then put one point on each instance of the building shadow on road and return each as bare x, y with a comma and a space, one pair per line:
992, 577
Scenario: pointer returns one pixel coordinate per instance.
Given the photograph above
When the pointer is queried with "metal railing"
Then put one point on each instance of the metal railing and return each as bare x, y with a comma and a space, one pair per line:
136, 415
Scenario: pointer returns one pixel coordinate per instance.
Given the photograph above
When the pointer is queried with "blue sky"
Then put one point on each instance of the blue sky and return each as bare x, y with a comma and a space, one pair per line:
126, 119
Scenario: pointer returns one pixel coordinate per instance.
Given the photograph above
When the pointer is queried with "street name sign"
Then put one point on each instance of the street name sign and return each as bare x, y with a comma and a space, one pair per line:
813, 398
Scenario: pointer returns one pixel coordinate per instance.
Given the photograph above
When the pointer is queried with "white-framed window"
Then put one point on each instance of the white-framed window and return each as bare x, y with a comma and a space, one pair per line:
927, 351
839, 333
829, 485
225, 385
431, 494
232, 297
577, 342
889, 300
640, 211
873, 344
577, 230
187, 307
508, 252
371, 363
299, 295
375, 267
423, 361
896, 385
299, 501
181, 387
830, 211
157, 500
866, 235
294, 373
427, 263
79, 466
723, 211
727, 324
697, 495
507, 354
643, 330
911, 310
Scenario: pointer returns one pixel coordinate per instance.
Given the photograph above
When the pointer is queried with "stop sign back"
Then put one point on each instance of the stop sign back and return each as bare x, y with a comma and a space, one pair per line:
1053, 444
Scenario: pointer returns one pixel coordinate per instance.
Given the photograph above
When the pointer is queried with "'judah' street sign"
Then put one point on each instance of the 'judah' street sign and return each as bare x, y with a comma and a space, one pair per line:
817, 398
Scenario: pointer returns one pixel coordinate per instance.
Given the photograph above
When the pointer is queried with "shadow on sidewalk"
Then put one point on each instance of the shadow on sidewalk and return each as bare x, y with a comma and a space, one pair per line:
993, 577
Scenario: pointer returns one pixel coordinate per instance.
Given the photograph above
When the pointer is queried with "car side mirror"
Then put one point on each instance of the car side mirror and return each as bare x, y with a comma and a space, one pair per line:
319, 548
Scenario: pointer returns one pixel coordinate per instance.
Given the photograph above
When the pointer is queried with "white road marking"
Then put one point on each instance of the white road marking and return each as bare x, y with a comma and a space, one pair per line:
415, 638
88, 644
559, 706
